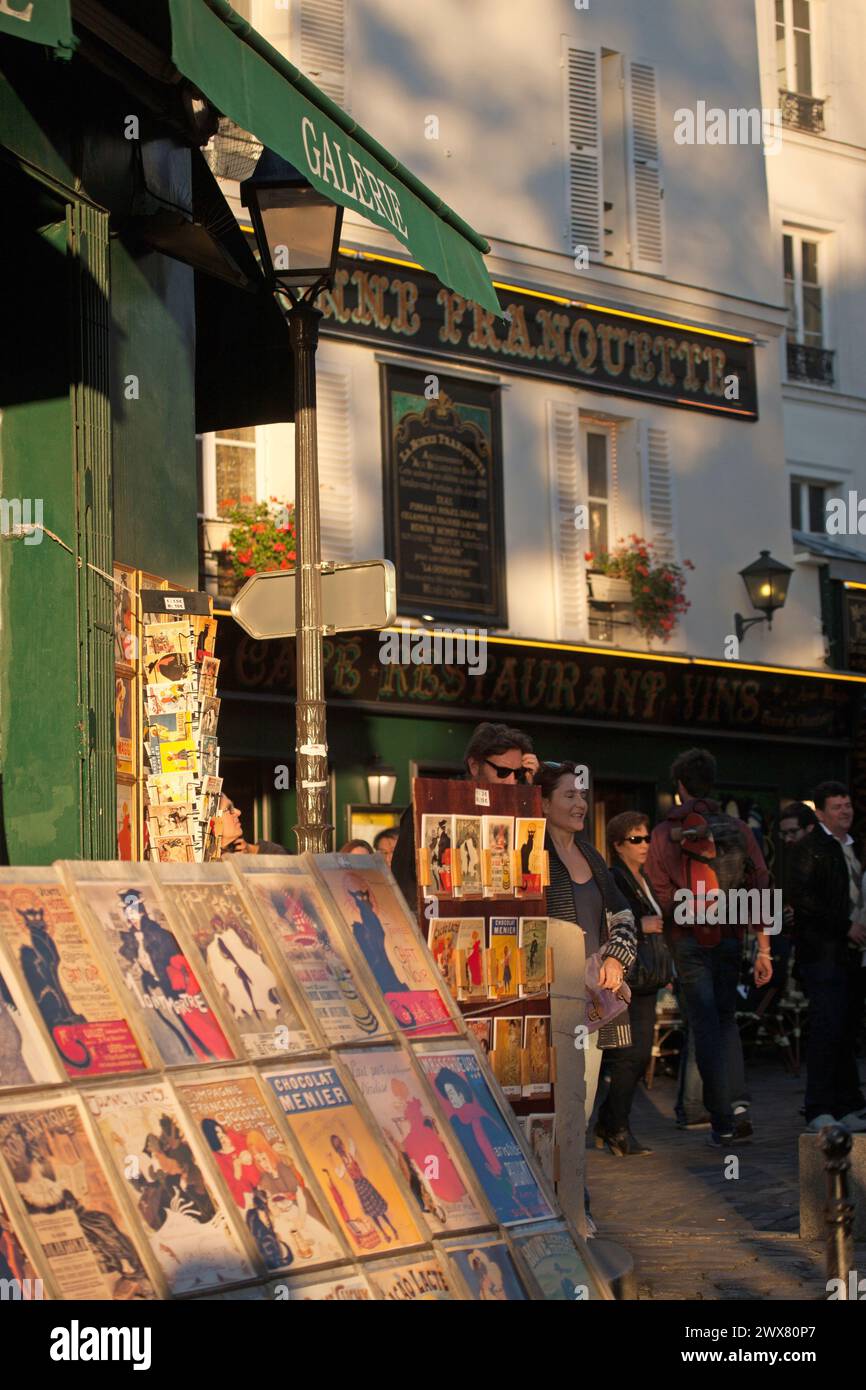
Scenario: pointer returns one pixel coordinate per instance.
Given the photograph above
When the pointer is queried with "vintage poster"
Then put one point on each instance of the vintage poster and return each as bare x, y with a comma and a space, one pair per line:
66, 980
487, 1269
529, 844
230, 946
172, 849
300, 922
472, 956
368, 900
124, 722
419, 1141
25, 1058
485, 1135
497, 843
502, 958
536, 1050
437, 837
346, 1157
442, 935
60, 1182
19, 1278
533, 955
421, 1280
343, 1285
467, 851
555, 1262
259, 1174
126, 817
506, 1057
125, 622
541, 1133
481, 1029
182, 1218
159, 979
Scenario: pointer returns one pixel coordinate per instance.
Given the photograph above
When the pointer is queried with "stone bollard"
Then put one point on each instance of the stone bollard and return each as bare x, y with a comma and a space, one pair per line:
835, 1144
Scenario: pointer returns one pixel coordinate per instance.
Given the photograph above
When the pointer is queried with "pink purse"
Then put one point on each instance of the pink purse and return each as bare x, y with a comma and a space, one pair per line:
602, 1005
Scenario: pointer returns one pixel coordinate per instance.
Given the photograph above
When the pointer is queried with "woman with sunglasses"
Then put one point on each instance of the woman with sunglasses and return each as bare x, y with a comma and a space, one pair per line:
582, 890
628, 842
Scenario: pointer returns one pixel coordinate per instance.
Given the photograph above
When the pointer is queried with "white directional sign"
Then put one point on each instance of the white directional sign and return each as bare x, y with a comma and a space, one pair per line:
354, 597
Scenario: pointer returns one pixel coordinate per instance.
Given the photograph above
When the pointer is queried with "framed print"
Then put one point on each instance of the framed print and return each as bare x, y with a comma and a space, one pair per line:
486, 1269
236, 954
502, 958
481, 1029
26, 1056
507, 1054
374, 914
497, 843
346, 1284
126, 626
442, 936
347, 1156
64, 979
127, 819
536, 1053
364, 821
529, 846
541, 1133
421, 1279
419, 1141
17, 1269
81, 1232
180, 1215
467, 852
258, 1173
468, 1103
444, 516
125, 744
437, 842
533, 955
472, 958
559, 1269
300, 921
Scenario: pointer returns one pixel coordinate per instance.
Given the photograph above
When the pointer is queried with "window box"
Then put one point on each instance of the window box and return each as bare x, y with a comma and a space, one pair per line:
608, 588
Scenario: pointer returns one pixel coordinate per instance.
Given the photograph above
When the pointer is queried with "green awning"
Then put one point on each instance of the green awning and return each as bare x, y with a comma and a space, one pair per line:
41, 21
250, 82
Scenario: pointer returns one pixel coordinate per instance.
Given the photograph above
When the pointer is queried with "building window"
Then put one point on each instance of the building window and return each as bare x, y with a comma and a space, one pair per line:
229, 470
794, 46
598, 490
808, 358
808, 506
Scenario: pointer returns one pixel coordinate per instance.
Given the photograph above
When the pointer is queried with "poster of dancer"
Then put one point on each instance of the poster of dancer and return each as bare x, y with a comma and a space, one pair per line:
347, 1158
85, 1239
486, 1137
472, 974
259, 1174
486, 1268
64, 977
442, 940
419, 1141
369, 903
180, 1215
437, 837
26, 1059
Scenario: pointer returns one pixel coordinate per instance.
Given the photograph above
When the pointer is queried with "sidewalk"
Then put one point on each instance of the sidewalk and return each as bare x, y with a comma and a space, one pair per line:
693, 1233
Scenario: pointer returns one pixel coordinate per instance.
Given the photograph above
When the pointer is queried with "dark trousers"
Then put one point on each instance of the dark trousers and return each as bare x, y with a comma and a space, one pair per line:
835, 1007
626, 1065
708, 977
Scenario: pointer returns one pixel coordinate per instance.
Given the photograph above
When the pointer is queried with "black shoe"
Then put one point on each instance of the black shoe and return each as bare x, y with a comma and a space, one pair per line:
717, 1140
743, 1128
624, 1145
703, 1122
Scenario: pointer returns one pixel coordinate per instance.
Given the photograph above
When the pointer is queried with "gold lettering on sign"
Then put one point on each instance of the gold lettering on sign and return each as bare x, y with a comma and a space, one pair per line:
426, 685
506, 683
390, 674
452, 683
716, 358
664, 346
455, 307
625, 689
691, 354
584, 357
642, 368
608, 333
346, 675
333, 302
517, 343
371, 300
652, 686
483, 335
749, 701
552, 343
593, 694
405, 320
528, 697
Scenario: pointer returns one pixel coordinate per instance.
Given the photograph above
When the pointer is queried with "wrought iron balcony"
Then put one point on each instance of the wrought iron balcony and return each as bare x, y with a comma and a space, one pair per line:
802, 113
807, 363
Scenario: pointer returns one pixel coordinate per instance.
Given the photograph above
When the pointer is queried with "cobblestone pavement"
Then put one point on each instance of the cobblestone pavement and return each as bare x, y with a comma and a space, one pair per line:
692, 1232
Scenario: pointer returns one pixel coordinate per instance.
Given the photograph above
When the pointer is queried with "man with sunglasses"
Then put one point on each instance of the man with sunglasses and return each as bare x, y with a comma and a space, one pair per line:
495, 753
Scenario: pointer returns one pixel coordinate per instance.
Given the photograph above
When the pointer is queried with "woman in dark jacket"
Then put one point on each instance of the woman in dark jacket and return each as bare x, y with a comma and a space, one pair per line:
628, 840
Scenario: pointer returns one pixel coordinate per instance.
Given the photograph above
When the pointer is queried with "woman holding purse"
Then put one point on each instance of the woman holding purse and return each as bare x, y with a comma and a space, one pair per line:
628, 840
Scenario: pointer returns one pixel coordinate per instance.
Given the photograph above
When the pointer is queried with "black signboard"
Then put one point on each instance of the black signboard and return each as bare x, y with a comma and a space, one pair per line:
443, 496
855, 630
620, 352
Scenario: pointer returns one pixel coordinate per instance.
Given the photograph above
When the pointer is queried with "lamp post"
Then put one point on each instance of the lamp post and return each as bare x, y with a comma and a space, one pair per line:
297, 231
766, 582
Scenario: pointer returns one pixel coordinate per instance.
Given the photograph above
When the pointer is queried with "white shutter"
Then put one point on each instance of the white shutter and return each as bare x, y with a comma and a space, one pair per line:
321, 45
567, 490
659, 503
645, 178
583, 133
336, 478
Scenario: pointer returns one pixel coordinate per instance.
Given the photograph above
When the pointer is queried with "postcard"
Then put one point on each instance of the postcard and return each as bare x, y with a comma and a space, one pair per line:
181, 1215
442, 940
485, 1134
419, 1280
125, 623
506, 1057
533, 955
481, 1029
208, 674
486, 1268
502, 958
170, 697
555, 1262
437, 837
346, 1157
368, 900
420, 1143
172, 849
259, 1174
172, 818
175, 756
467, 851
536, 1043
472, 976
497, 842
162, 639
541, 1133
169, 727
126, 811
175, 786
208, 715
124, 722
66, 980
529, 844
85, 1239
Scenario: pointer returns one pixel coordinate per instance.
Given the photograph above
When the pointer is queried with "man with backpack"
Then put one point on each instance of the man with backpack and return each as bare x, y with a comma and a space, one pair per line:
700, 859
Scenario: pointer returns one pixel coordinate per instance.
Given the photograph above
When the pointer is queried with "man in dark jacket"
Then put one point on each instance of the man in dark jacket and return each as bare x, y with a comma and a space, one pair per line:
708, 973
823, 890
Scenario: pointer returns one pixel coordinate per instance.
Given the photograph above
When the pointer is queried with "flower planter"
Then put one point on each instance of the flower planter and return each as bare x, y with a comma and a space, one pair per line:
608, 588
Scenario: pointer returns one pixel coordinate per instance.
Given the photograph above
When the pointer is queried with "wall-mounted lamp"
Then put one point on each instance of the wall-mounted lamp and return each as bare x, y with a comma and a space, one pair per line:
381, 781
766, 582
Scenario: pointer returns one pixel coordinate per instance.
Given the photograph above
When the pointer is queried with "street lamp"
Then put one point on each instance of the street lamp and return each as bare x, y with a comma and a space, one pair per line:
766, 582
298, 231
